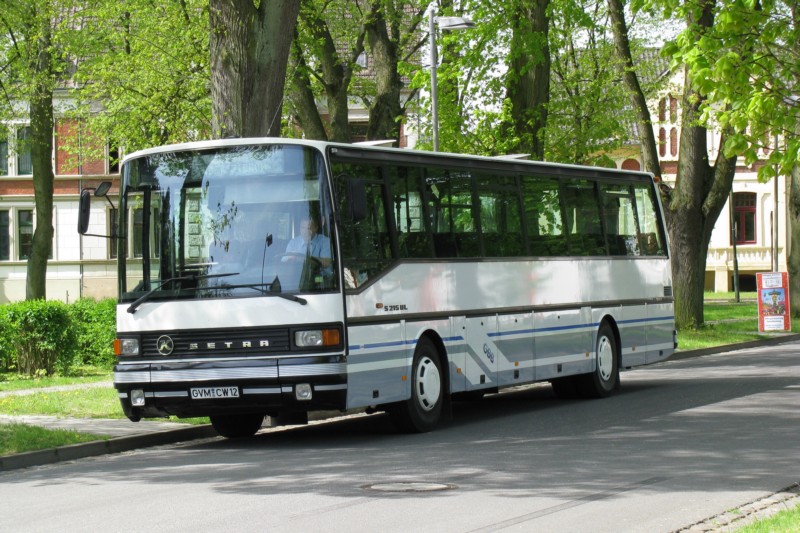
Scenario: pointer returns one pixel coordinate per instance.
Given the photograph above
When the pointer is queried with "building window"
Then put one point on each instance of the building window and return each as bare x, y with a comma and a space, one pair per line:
24, 232
744, 218
673, 109
4, 157
112, 224
631, 164
5, 235
24, 164
673, 142
16, 234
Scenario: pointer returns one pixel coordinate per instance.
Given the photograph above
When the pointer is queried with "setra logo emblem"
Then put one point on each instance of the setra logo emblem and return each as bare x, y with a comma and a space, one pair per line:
165, 345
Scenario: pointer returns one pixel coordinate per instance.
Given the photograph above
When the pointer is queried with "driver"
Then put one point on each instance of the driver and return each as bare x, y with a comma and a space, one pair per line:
310, 242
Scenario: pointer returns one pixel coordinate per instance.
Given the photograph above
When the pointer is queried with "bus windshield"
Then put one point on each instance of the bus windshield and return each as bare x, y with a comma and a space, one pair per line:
226, 222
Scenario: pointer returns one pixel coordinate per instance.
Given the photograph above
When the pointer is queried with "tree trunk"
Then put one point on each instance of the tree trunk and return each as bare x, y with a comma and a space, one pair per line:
302, 99
644, 123
793, 242
386, 111
249, 49
41, 114
528, 78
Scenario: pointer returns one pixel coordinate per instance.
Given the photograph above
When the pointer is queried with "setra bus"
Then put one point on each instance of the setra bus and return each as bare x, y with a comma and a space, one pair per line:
274, 277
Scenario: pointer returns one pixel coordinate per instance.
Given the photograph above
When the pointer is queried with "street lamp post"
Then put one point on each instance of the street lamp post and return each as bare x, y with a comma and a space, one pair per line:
445, 24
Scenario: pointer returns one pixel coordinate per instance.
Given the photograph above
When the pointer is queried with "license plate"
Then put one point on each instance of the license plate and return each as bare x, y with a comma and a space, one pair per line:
211, 393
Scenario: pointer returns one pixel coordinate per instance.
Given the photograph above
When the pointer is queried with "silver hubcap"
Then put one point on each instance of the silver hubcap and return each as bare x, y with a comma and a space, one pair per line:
605, 358
427, 383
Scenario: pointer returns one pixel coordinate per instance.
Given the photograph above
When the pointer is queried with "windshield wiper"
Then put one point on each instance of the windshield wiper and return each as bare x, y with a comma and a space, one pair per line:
194, 277
271, 291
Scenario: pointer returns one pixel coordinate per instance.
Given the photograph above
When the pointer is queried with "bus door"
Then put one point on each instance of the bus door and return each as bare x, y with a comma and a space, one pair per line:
482, 352
514, 340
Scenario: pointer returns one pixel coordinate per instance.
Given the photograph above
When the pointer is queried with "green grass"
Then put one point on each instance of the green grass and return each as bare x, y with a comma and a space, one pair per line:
730, 296
90, 402
18, 438
727, 322
730, 311
787, 521
13, 381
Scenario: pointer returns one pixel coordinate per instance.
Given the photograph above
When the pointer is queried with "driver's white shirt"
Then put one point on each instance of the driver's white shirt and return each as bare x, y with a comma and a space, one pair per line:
318, 246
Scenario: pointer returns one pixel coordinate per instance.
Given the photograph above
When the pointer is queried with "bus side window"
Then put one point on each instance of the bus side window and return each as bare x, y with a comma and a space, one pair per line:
620, 219
650, 239
585, 230
408, 193
365, 246
543, 216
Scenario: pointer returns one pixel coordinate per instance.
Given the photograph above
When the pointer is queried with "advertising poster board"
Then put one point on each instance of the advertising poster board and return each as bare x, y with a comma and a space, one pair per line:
773, 301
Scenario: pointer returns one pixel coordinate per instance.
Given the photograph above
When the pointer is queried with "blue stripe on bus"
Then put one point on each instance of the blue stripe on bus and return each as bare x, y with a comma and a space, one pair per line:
534, 331
651, 319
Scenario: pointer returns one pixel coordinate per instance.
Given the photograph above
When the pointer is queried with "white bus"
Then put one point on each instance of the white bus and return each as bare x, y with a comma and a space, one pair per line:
276, 277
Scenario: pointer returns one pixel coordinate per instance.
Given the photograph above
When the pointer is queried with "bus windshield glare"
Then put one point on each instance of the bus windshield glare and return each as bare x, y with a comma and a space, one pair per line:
225, 222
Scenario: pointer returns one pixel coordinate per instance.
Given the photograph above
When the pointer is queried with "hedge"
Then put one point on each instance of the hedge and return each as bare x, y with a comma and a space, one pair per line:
50, 337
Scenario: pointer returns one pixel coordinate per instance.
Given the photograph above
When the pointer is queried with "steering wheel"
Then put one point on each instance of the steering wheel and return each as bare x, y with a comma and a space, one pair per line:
295, 256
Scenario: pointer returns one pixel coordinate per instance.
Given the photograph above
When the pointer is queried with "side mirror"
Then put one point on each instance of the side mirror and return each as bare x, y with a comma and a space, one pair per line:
84, 207
356, 199
102, 189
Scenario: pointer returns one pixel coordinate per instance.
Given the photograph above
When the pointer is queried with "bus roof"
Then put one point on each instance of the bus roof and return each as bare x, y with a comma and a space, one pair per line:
367, 148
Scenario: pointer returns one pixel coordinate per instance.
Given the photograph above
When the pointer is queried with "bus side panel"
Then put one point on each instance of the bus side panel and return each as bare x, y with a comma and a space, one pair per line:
515, 343
633, 335
377, 363
661, 325
563, 344
457, 353
482, 352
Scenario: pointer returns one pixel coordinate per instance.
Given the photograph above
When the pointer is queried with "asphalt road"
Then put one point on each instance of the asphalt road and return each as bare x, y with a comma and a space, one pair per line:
681, 442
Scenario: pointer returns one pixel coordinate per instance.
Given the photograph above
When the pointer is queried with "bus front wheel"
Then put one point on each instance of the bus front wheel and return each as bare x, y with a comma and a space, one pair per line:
237, 426
422, 411
605, 377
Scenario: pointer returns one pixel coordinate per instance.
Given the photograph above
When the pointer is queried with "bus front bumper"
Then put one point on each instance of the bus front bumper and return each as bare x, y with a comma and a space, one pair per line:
207, 388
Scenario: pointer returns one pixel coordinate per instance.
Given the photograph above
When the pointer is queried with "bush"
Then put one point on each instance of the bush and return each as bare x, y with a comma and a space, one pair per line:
95, 329
37, 337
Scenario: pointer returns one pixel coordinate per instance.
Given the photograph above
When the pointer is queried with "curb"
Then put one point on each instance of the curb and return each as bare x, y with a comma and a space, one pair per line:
103, 447
785, 338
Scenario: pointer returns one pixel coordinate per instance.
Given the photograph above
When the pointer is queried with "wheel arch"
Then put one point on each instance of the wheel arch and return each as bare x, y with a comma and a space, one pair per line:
441, 351
612, 323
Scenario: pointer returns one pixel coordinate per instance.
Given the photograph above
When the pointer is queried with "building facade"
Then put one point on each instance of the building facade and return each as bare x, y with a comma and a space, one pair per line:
79, 266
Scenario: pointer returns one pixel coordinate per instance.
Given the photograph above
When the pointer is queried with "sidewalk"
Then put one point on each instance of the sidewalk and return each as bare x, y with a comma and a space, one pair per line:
120, 435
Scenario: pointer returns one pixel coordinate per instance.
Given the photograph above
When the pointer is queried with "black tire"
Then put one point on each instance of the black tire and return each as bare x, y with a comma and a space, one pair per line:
565, 388
605, 378
469, 396
237, 426
422, 412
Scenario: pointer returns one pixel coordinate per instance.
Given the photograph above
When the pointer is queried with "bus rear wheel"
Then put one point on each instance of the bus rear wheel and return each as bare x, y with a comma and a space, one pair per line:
421, 412
605, 377
237, 426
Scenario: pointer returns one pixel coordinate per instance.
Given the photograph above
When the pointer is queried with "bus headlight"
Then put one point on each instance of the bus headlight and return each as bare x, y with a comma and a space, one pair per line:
137, 397
126, 346
317, 337
303, 392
